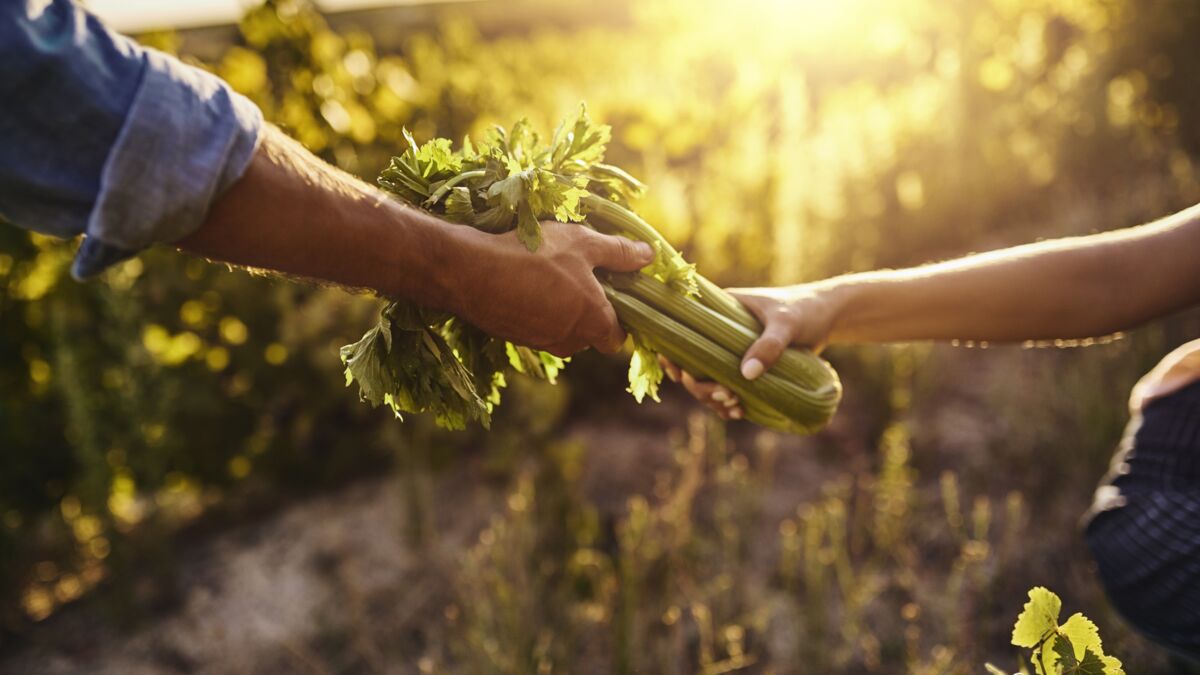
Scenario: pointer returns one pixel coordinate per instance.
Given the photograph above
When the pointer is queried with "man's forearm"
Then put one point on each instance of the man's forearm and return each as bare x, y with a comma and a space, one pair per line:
294, 214
1069, 288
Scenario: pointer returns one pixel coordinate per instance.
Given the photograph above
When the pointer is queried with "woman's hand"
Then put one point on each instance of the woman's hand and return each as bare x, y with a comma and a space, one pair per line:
794, 315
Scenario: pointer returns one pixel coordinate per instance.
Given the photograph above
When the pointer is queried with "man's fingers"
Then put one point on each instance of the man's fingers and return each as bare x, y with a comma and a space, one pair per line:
565, 349
619, 254
766, 350
608, 336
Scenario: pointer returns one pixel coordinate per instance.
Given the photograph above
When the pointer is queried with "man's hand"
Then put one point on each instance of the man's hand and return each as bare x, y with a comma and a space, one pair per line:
295, 214
796, 315
549, 299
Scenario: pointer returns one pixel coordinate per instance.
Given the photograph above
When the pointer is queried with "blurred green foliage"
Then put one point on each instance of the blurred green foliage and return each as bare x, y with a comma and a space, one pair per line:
778, 146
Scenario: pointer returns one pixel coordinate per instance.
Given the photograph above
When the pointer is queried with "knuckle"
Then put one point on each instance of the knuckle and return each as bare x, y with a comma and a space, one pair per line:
601, 336
610, 345
772, 343
562, 351
540, 345
783, 313
624, 249
582, 235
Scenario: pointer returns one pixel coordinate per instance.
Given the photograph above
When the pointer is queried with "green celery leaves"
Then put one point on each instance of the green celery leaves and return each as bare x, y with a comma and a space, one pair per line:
416, 362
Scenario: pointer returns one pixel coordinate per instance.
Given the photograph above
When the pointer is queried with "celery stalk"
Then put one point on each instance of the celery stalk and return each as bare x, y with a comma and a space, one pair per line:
698, 354
626, 222
417, 361
799, 366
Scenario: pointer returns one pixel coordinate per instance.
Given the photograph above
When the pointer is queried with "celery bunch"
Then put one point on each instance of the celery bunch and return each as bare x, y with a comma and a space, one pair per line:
415, 360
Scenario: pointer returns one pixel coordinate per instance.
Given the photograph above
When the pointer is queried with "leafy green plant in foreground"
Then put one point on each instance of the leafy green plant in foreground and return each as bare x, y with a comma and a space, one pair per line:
416, 360
1067, 649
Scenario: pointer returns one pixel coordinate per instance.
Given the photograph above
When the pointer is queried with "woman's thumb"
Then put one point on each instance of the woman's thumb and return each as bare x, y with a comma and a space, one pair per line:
766, 350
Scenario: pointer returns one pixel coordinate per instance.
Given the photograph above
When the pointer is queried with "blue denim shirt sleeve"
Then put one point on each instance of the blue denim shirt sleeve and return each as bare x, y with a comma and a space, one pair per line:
103, 137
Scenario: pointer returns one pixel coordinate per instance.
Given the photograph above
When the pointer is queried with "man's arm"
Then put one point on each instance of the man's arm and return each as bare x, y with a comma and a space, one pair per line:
160, 151
291, 212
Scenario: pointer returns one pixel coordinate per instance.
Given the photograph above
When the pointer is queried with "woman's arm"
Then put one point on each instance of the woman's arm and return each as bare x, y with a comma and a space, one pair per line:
1076, 287
1065, 288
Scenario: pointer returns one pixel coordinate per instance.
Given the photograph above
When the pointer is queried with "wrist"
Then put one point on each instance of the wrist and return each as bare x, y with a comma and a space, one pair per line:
429, 259
838, 297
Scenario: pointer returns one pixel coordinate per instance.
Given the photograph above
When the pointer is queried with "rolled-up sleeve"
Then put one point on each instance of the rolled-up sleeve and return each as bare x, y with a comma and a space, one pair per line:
102, 137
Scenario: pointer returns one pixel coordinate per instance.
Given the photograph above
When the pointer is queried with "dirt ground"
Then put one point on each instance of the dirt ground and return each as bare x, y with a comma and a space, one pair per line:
292, 591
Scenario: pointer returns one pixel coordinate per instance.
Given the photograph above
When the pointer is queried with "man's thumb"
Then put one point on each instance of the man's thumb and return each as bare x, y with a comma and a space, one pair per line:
619, 254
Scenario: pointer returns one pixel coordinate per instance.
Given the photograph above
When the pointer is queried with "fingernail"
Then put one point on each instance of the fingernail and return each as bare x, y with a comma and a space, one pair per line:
645, 251
752, 368
736, 413
720, 396
732, 402
671, 375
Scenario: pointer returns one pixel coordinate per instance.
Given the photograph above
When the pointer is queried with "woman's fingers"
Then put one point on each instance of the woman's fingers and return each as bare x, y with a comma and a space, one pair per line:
669, 368
716, 397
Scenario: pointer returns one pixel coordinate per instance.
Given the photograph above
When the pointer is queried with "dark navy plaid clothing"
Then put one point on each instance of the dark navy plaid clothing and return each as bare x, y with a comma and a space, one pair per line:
1144, 530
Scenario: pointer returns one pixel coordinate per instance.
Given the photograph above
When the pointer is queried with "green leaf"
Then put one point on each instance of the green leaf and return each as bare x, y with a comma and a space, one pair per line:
1068, 664
552, 197
459, 208
366, 364
405, 316
495, 219
437, 157
410, 141
529, 231
482, 355
673, 270
403, 179
456, 374
508, 192
582, 145
535, 363
629, 186
1112, 665
407, 364
1082, 633
551, 366
430, 378
1039, 618
645, 372
521, 143
614, 183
